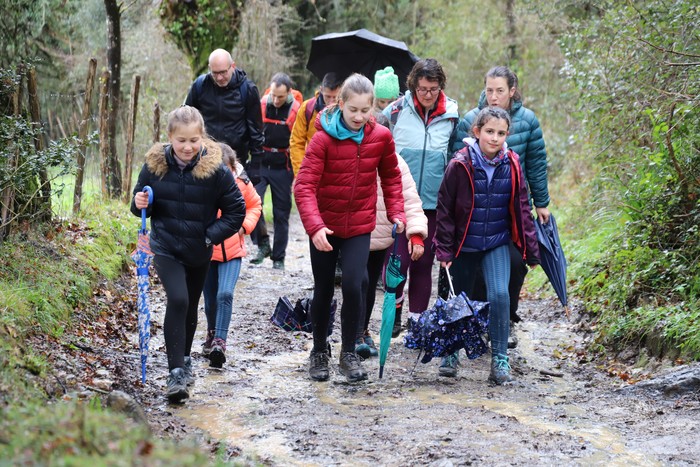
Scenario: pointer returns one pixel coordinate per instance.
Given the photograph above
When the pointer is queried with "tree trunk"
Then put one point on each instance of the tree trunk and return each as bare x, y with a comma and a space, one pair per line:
512, 33
43, 203
130, 129
114, 62
82, 135
7, 203
104, 132
156, 123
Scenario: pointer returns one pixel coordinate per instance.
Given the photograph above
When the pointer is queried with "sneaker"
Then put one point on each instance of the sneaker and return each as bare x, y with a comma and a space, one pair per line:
500, 370
512, 338
448, 365
176, 386
189, 376
206, 347
278, 264
397, 321
351, 368
263, 252
373, 352
318, 365
217, 357
362, 348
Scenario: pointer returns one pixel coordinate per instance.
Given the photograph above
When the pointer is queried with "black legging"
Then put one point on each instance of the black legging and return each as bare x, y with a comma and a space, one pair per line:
353, 263
375, 264
183, 287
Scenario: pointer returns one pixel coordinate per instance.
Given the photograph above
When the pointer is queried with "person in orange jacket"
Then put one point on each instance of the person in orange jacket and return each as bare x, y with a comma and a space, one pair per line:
225, 266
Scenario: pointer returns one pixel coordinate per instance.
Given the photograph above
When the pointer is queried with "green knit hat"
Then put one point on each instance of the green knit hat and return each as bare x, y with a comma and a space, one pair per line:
386, 84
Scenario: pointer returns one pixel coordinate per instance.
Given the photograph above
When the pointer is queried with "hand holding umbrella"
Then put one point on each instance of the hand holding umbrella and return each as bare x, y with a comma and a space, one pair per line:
142, 257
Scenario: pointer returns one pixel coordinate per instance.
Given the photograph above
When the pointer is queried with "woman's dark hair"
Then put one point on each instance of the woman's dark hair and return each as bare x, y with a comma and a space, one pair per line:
427, 68
489, 113
509, 75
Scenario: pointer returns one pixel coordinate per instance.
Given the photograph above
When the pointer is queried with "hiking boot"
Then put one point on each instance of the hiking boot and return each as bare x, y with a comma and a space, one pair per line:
351, 368
448, 365
318, 365
217, 357
189, 376
397, 321
263, 251
362, 348
278, 264
512, 338
500, 370
206, 347
176, 385
373, 352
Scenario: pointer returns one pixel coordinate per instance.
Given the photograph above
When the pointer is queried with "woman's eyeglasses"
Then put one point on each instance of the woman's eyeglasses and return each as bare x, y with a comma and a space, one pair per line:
426, 91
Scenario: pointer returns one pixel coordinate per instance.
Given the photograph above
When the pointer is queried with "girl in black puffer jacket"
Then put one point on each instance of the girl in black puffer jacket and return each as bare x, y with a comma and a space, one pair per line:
190, 185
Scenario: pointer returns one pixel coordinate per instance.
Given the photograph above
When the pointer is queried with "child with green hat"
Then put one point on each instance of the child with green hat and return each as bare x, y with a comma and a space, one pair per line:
386, 87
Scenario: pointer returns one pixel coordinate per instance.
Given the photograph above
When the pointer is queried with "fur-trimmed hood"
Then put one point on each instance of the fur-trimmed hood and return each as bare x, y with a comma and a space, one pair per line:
160, 157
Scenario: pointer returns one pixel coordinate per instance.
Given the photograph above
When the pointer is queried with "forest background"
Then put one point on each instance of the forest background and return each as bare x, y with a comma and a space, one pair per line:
615, 86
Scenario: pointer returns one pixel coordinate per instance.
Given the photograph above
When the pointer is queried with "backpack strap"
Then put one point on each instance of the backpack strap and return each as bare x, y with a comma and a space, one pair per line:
309, 111
395, 111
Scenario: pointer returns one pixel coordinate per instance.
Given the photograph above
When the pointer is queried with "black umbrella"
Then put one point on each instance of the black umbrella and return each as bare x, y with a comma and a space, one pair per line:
552, 257
359, 51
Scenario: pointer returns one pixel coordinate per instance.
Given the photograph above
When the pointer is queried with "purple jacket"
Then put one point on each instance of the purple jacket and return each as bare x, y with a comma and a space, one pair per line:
456, 205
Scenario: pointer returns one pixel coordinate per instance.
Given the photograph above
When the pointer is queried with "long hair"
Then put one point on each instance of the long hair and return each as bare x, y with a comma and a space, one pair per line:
355, 84
509, 75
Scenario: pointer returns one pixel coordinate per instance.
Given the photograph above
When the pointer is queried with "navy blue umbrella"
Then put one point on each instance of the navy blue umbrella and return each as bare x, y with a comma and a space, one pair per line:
552, 257
142, 256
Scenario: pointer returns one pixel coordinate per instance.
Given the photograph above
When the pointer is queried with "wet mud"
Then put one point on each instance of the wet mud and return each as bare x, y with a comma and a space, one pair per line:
563, 409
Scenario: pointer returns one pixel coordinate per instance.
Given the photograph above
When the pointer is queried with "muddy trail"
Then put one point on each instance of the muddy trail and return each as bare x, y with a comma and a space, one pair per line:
262, 408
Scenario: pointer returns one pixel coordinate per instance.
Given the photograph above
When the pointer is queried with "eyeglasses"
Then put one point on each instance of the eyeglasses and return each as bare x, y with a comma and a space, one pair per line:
426, 91
219, 73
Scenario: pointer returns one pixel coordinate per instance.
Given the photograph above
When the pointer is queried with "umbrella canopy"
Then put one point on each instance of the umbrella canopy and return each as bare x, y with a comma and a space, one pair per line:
142, 256
359, 51
450, 325
393, 278
552, 257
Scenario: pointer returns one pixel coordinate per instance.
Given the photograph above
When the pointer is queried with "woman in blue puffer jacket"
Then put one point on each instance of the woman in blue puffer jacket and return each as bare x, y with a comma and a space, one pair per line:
525, 139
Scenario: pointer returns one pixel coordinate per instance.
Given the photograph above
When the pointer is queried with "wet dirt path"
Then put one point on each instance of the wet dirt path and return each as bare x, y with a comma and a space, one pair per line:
264, 407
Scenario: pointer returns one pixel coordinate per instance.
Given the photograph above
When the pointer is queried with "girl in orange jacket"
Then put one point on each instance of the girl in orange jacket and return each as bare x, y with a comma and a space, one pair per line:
226, 267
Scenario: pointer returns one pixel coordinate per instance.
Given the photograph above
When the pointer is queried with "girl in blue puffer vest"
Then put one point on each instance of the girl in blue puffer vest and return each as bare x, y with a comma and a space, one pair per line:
483, 208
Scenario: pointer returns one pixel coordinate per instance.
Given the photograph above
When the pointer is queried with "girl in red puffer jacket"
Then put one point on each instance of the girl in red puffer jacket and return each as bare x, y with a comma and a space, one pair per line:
336, 195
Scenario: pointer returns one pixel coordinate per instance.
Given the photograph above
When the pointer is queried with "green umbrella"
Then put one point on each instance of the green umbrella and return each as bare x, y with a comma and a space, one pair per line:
393, 278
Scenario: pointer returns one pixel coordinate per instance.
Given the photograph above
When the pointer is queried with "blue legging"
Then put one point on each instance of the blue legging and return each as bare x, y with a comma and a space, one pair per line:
495, 264
218, 295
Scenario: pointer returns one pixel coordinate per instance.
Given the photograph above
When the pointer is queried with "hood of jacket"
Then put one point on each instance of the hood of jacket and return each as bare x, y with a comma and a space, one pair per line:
160, 157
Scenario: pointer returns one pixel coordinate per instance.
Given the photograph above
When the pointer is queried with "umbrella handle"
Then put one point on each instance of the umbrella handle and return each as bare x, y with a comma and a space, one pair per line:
149, 190
393, 235
449, 281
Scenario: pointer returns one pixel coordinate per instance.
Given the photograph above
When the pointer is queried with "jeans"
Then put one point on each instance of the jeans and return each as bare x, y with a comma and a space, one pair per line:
218, 295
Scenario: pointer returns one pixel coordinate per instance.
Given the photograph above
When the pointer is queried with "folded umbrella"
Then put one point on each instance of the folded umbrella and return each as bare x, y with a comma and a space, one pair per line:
393, 278
450, 325
142, 256
552, 257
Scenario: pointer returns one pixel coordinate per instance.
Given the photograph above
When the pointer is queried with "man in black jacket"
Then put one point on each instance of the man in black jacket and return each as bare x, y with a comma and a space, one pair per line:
230, 104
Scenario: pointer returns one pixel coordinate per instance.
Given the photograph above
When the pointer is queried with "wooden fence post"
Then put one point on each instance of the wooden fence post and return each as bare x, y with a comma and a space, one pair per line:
156, 122
35, 112
130, 130
82, 135
104, 131
7, 203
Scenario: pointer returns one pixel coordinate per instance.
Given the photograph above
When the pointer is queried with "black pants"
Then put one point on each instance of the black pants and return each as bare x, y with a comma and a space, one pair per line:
353, 263
518, 271
375, 265
183, 286
280, 182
